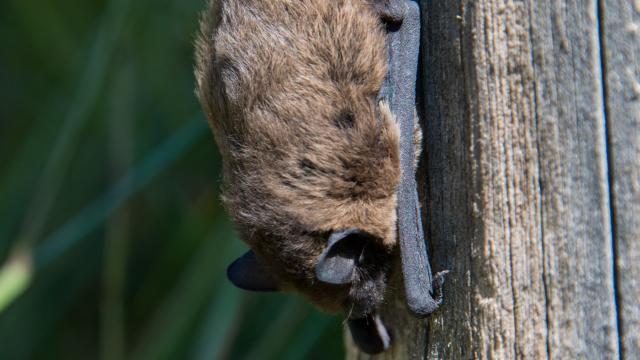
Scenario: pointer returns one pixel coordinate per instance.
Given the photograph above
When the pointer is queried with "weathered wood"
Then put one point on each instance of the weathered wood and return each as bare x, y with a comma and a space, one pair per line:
517, 186
621, 34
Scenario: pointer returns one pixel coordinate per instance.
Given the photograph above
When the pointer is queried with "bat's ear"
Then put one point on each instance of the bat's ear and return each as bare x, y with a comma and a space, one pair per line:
370, 334
339, 260
247, 273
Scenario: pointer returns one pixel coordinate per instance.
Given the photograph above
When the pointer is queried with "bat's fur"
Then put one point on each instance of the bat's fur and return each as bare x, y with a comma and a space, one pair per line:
289, 88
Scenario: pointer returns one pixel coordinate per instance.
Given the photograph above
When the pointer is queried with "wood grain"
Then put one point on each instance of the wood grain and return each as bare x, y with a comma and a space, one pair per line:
530, 179
621, 39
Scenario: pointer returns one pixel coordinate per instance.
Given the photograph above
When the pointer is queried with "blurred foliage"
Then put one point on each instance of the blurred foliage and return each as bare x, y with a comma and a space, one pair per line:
113, 243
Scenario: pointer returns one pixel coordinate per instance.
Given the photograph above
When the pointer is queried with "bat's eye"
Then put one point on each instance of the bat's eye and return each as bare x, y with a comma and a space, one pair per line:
346, 119
344, 251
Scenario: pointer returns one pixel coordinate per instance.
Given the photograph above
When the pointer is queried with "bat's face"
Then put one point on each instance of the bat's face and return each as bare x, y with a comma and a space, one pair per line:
348, 274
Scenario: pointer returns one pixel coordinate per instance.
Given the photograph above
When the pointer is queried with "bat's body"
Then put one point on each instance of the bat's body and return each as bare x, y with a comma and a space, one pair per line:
295, 92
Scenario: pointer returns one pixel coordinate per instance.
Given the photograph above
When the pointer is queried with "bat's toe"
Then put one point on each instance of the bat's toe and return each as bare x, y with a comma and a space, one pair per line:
437, 285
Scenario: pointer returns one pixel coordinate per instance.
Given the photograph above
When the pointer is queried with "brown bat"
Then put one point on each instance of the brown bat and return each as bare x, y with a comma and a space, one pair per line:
299, 95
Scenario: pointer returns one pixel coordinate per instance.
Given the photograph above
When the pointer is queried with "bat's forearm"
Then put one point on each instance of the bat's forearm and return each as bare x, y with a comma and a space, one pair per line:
399, 90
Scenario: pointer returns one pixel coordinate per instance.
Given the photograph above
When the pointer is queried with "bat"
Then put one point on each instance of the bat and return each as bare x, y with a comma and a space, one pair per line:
312, 105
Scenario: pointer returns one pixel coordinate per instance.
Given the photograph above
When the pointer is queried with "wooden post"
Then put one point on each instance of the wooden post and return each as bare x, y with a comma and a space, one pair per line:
531, 181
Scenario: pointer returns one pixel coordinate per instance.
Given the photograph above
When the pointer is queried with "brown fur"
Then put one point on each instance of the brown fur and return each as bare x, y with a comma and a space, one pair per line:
289, 89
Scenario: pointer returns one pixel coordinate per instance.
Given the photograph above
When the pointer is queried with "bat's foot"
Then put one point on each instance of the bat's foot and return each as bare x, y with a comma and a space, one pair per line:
391, 12
423, 304
436, 286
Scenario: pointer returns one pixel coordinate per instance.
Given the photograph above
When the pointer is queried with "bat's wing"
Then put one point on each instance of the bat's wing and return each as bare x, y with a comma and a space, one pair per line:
399, 90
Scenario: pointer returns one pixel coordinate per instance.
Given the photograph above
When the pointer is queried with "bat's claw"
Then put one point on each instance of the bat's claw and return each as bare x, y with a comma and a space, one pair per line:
391, 12
437, 285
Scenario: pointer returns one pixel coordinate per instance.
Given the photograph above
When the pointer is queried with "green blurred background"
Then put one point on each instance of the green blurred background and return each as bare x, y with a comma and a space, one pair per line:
113, 243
